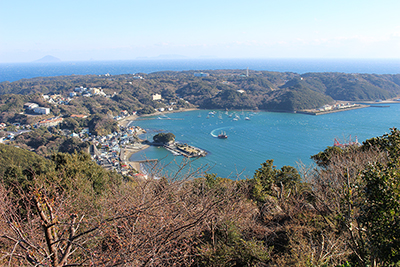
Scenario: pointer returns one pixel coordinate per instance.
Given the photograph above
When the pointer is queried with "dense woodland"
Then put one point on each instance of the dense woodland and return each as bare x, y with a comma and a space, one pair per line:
68, 211
222, 89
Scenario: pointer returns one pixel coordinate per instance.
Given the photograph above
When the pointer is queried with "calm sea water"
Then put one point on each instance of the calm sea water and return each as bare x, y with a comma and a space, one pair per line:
285, 137
17, 71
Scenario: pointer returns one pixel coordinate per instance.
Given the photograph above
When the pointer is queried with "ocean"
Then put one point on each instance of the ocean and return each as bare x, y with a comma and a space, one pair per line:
287, 138
16, 71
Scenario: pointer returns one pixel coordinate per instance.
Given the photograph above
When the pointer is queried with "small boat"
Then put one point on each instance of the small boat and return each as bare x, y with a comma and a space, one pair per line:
247, 118
222, 135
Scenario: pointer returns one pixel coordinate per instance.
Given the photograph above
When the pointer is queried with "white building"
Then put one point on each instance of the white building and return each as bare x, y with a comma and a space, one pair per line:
80, 89
156, 97
42, 110
30, 106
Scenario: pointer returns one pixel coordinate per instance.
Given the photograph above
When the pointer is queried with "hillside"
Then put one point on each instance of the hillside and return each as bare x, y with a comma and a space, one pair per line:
218, 89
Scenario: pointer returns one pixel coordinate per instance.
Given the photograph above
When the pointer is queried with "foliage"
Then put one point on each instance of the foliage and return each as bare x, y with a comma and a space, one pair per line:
381, 212
102, 125
163, 138
222, 89
70, 211
270, 181
12, 156
229, 248
323, 158
45, 143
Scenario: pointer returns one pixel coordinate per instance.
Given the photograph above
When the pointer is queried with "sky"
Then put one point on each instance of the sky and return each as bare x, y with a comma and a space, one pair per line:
82, 30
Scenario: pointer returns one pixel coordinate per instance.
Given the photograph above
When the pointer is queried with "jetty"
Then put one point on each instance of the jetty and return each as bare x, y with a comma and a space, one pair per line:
185, 150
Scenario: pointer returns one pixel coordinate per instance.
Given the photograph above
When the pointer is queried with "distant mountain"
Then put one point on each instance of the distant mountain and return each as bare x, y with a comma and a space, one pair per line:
169, 56
48, 58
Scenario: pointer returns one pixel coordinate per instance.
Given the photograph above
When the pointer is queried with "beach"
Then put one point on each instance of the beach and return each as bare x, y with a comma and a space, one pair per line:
129, 150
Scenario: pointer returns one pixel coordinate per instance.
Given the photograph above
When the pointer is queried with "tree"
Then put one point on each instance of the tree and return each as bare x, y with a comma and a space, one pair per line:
268, 180
164, 138
358, 193
381, 212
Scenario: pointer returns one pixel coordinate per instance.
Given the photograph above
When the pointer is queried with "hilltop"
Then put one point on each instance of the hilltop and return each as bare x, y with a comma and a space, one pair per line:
47, 59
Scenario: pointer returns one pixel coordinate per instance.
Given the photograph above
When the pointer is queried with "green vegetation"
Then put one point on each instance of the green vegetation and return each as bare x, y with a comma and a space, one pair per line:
223, 89
163, 138
46, 143
343, 213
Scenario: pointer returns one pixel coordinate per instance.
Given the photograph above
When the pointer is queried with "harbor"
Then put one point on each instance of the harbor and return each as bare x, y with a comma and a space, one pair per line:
185, 150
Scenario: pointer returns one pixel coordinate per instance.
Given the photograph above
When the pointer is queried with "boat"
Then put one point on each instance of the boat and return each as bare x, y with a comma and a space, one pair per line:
222, 135
247, 118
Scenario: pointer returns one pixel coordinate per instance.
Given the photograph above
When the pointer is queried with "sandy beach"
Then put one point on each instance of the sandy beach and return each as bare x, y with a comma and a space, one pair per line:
128, 151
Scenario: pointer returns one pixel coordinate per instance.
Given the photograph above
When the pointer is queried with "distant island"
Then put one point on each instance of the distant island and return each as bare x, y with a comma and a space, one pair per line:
47, 59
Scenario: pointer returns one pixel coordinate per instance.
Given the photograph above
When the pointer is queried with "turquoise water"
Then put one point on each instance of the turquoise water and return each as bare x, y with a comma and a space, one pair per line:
285, 137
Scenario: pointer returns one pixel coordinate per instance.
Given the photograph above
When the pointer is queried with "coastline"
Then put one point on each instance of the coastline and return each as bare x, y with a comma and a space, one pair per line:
128, 151
331, 111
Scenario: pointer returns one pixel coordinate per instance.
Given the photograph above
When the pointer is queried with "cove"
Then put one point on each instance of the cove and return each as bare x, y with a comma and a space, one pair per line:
287, 138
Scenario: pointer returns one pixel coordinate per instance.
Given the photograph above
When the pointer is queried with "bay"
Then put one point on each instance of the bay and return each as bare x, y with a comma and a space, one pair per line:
287, 138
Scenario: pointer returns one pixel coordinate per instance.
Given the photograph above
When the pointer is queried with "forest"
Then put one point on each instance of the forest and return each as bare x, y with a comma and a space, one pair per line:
68, 211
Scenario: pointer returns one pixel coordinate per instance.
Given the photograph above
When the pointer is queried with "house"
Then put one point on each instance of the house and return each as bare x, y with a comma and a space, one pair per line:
50, 122
156, 97
80, 89
201, 74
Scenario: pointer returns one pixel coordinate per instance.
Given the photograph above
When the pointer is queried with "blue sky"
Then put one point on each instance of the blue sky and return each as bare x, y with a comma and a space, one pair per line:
127, 29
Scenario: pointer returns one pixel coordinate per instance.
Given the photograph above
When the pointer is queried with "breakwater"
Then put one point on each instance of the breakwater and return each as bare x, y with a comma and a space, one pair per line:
185, 150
